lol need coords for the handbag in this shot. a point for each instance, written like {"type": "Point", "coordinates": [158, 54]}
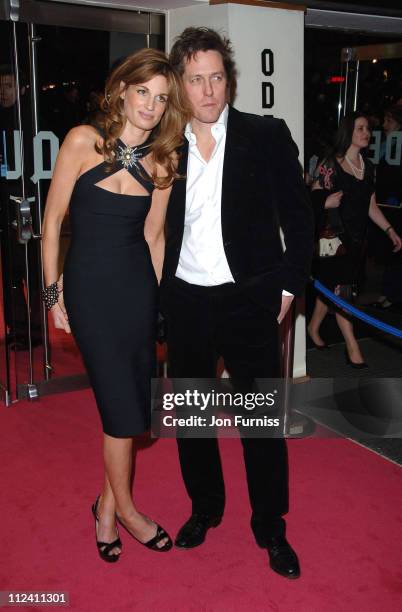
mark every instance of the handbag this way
{"type": "Point", "coordinates": [330, 245]}
{"type": "Point", "coordinates": [330, 242]}
{"type": "Point", "coordinates": [329, 238]}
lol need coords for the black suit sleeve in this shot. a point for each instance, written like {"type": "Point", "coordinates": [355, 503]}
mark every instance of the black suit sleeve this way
{"type": "Point", "coordinates": [318, 198]}
{"type": "Point", "coordinates": [294, 210]}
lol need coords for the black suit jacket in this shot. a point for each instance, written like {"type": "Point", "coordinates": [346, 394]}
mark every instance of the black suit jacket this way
{"type": "Point", "coordinates": [262, 190]}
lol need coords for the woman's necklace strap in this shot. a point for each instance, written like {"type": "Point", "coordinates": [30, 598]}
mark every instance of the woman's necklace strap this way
{"type": "Point", "coordinates": [356, 171]}
{"type": "Point", "coordinates": [128, 156]}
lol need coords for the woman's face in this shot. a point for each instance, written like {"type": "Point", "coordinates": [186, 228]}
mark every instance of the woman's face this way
{"type": "Point", "coordinates": [144, 104]}
{"type": "Point", "coordinates": [361, 133]}
{"type": "Point", "coordinates": [390, 124]}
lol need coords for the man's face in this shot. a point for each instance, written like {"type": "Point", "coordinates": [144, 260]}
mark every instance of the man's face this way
{"type": "Point", "coordinates": [8, 90]}
{"type": "Point", "coordinates": [206, 85]}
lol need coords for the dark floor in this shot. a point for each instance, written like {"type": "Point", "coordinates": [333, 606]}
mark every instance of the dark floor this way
{"type": "Point", "coordinates": [383, 353]}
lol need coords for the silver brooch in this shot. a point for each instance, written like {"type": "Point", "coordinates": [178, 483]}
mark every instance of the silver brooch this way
{"type": "Point", "coordinates": [129, 156]}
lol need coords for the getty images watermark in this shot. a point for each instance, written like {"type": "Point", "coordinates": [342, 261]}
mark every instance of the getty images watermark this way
{"type": "Point", "coordinates": [198, 407]}
{"type": "Point", "coordinates": [357, 408]}
{"type": "Point", "coordinates": [219, 400]}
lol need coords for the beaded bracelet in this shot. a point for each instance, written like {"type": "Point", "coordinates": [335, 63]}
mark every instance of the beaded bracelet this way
{"type": "Point", "coordinates": [50, 295]}
{"type": "Point", "coordinates": [388, 228]}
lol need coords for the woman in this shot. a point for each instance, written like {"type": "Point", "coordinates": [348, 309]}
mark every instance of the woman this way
{"type": "Point", "coordinates": [345, 183]}
{"type": "Point", "coordinates": [389, 192]}
{"type": "Point", "coordinates": [116, 179]}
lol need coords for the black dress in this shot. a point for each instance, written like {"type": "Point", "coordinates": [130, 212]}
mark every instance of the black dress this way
{"type": "Point", "coordinates": [110, 292]}
{"type": "Point", "coordinates": [352, 222]}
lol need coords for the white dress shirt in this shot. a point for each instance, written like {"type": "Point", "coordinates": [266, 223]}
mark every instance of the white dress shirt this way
{"type": "Point", "coordinates": [202, 257]}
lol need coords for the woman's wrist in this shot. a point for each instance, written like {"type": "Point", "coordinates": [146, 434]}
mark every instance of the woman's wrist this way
{"type": "Point", "coordinates": [388, 229]}
{"type": "Point", "coordinates": [50, 295]}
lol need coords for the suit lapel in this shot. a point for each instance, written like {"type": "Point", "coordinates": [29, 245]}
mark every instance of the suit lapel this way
{"type": "Point", "coordinates": [177, 200]}
{"type": "Point", "coordinates": [235, 180]}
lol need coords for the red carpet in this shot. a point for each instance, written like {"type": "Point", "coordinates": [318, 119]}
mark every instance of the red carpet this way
{"type": "Point", "coordinates": [345, 522]}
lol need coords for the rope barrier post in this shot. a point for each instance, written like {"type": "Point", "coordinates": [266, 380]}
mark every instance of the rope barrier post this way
{"type": "Point", "coordinates": [294, 425]}
{"type": "Point", "coordinates": [288, 340]}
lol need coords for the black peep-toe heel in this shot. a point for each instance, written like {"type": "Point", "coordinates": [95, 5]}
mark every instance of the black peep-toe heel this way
{"type": "Point", "coordinates": [104, 548]}
{"type": "Point", "coordinates": [161, 534]}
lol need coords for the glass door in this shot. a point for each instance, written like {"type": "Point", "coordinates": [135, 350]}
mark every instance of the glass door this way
{"type": "Point", "coordinates": [365, 68]}
{"type": "Point", "coordinates": [15, 287]}
{"type": "Point", "coordinates": [57, 58]}
{"type": "Point", "coordinates": [372, 84]}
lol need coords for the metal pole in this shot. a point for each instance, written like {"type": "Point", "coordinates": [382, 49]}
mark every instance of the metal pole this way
{"type": "Point", "coordinates": [19, 114]}
{"type": "Point", "coordinates": [340, 95]}
{"type": "Point", "coordinates": [33, 40]}
{"type": "Point", "coordinates": [356, 85]}
{"type": "Point", "coordinates": [17, 84]}
{"type": "Point", "coordinates": [288, 337]}
{"type": "Point", "coordinates": [346, 88]}
{"type": "Point", "coordinates": [294, 424]}
{"type": "Point", "coordinates": [149, 31]}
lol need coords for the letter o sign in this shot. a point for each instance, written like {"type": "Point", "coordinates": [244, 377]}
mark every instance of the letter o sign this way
{"type": "Point", "coordinates": [267, 69]}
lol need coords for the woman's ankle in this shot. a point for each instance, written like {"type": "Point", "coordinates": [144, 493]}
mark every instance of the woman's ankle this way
{"type": "Point", "coordinates": [315, 335]}
{"type": "Point", "coordinates": [127, 514]}
{"type": "Point", "coordinates": [354, 352]}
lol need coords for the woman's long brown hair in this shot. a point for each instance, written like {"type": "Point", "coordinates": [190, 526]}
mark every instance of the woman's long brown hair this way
{"type": "Point", "coordinates": [136, 69]}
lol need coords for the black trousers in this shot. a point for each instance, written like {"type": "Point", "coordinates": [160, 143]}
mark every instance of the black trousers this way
{"type": "Point", "coordinates": [204, 323]}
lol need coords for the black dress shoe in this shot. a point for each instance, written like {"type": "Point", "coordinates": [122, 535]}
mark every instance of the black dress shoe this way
{"type": "Point", "coordinates": [282, 557]}
{"type": "Point", "coordinates": [195, 529]}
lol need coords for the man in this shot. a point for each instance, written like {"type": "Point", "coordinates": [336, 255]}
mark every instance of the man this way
{"type": "Point", "coordinates": [13, 253]}
{"type": "Point", "coordinates": [224, 273]}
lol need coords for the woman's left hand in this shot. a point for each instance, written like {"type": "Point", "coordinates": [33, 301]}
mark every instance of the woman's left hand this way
{"type": "Point", "coordinates": [395, 239]}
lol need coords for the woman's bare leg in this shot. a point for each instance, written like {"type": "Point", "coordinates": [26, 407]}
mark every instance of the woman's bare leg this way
{"type": "Point", "coordinates": [107, 531]}
{"type": "Point", "coordinates": [352, 347]}
{"type": "Point", "coordinates": [117, 498]}
{"type": "Point", "coordinates": [313, 328]}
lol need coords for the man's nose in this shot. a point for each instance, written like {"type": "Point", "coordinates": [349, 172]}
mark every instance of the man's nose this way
{"type": "Point", "coordinates": [208, 90]}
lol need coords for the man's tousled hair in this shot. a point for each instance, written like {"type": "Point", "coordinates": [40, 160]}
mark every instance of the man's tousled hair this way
{"type": "Point", "coordinates": [195, 39]}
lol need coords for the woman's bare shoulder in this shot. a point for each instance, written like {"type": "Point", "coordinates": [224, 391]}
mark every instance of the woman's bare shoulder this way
{"type": "Point", "coordinates": [82, 137]}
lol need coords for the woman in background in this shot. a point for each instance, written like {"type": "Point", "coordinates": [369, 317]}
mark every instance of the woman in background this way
{"type": "Point", "coordinates": [389, 192]}
{"type": "Point", "coordinates": [116, 177]}
{"type": "Point", "coordinates": [344, 183]}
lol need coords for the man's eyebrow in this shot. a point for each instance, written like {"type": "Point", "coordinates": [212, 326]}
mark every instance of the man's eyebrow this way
{"type": "Point", "coordinates": [201, 74]}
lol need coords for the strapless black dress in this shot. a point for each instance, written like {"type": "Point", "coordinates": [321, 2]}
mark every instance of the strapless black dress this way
{"type": "Point", "coordinates": [110, 293]}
